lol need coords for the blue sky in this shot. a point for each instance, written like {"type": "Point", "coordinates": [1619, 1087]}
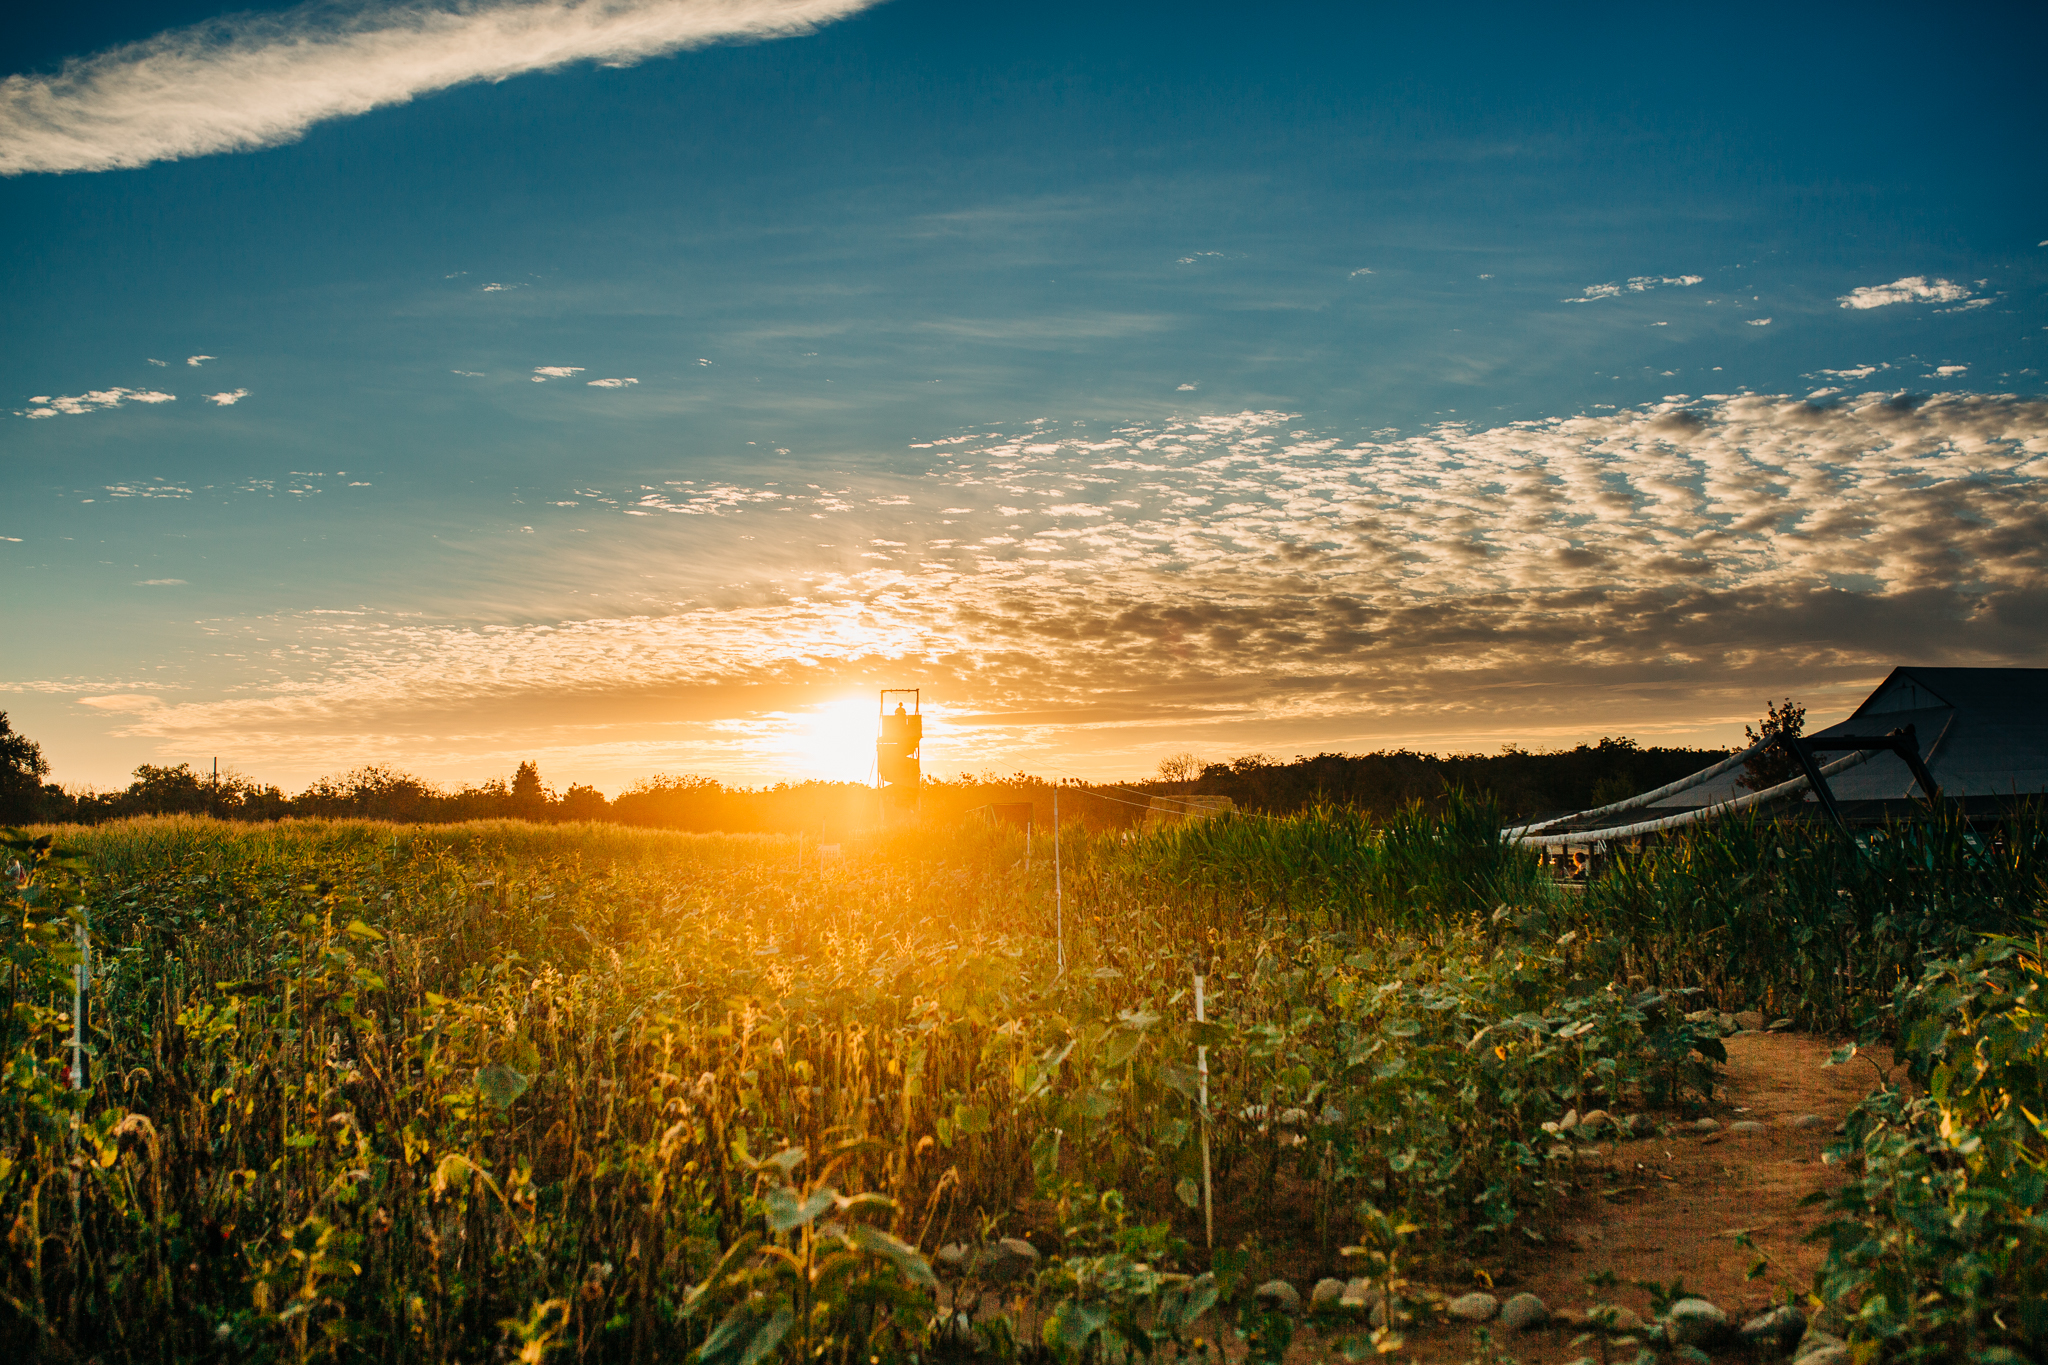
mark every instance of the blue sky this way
{"type": "Point", "coordinates": [1184, 377]}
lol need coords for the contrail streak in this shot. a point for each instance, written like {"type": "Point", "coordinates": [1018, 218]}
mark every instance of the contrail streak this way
{"type": "Point", "coordinates": [252, 81]}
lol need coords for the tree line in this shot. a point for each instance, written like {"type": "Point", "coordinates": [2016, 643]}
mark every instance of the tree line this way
{"type": "Point", "coordinates": [1520, 782]}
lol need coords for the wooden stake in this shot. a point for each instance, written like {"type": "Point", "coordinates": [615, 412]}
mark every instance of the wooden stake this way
{"type": "Point", "coordinates": [1059, 894]}
{"type": "Point", "coordinates": [1202, 1071]}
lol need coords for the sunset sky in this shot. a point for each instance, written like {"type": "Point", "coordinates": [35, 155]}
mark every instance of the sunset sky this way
{"type": "Point", "coordinates": [636, 386]}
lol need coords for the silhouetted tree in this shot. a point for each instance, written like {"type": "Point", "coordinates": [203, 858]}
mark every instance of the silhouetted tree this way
{"type": "Point", "coordinates": [22, 769]}
{"type": "Point", "coordinates": [1776, 764]}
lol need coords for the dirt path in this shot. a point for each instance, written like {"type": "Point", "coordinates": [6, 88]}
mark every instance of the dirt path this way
{"type": "Point", "coordinates": [1677, 1203]}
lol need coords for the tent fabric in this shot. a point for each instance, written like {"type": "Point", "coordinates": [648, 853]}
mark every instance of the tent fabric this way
{"type": "Point", "coordinates": [1981, 732]}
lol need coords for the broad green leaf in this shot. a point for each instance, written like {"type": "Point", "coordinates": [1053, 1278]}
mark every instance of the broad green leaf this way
{"type": "Point", "coordinates": [902, 1255]}
{"type": "Point", "coordinates": [768, 1337]}
{"type": "Point", "coordinates": [501, 1085]}
{"type": "Point", "coordinates": [785, 1211]}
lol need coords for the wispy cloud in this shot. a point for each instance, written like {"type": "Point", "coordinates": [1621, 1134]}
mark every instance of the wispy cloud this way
{"type": "Point", "coordinates": [257, 80]}
{"type": "Point", "coordinates": [197, 359]}
{"type": "Point", "coordinates": [93, 401]}
{"type": "Point", "coordinates": [161, 583]}
{"type": "Point", "coordinates": [228, 398]}
{"type": "Point", "coordinates": [543, 373]}
{"type": "Point", "coordinates": [1759, 322]}
{"type": "Point", "coordinates": [1637, 284]}
{"type": "Point", "coordinates": [610, 383]}
{"type": "Point", "coordinates": [1911, 289]}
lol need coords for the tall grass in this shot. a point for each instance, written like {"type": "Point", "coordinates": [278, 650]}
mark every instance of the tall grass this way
{"type": "Point", "coordinates": [376, 1092]}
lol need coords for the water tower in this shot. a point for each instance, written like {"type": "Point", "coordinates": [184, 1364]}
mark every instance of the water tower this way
{"type": "Point", "coordinates": [897, 767]}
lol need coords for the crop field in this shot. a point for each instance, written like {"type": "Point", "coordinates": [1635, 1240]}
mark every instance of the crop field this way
{"type": "Point", "coordinates": [359, 1091]}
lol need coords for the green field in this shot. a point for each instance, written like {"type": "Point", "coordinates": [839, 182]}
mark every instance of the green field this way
{"type": "Point", "coordinates": [362, 1091]}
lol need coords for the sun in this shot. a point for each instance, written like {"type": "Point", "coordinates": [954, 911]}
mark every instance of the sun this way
{"type": "Point", "coordinates": [834, 740]}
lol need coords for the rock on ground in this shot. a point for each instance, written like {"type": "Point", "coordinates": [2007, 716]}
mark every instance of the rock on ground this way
{"type": "Point", "coordinates": [1326, 1294]}
{"type": "Point", "coordinates": [1707, 1126]}
{"type": "Point", "coordinates": [1747, 1126]}
{"type": "Point", "coordinates": [1473, 1307]}
{"type": "Point", "coordinates": [1523, 1312]}
{"type": "Point", "coordinates": [1280, 1294]}
{"type": "Point", "coordinates": [1010, 1259]}
{"type": "Point", "coordinates": [1612, 1318]}
{"type": "Point", "coordinates": [1814, 1342]}
{"type": "Point", "coordinates": [1777, 1330]}
{"type": "Point", "coordinates": [1696, 1322]}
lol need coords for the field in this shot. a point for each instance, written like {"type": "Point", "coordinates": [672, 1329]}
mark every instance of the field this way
{"type": "Point", "coordinates": [362, 1091]}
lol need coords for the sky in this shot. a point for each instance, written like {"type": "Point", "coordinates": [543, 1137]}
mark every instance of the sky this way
{"type": "Point", "coordinates": [637, 386]}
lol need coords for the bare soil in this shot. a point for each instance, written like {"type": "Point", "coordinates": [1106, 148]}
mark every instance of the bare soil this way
{"type": "Point", "coordinates": [1668, 1208]}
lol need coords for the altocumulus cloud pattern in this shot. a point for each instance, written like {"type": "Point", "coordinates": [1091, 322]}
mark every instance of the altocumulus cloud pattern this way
{"type": "Point", "coordinates": [255, 80]}
{"type": "Point", "coordinates": [1260, 566]}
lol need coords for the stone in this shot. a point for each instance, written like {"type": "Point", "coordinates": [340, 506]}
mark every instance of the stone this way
{"type": "Point", "coordinates": [1473, 1307]}
{"type": "Point", "coordinates": [1523, 1312]}
{"type": "Point", "coordinates": [1815, 1340]}
{"type": "Point", "coordinates": [1809, 1121]}
{"type": "Point", "coordinates": [1750, 1019]}
{"type": "Point", "coordinates": [950, 1259]}
{"type": "Point", "coordinates": [1595, 1122]}
{"type": "Point", "coordinates": [1010, 1259]}
{"type": "Point", "coordinates": [1640, 1125]}
{"type": "Point", "coordinates": [1828, 1355]}
{"type": "Point", "coordinates": [1696, 1322]}
{"type": "Point", "coordinates": [1725, 1022]}
{"type": "Point", "coordinates": [1327, 1294]}
{"type": "Point", "coordinates": [1610, 1317]}
{"type": "Point", "coordinates": [1361, 1293]}
{"type": "Point", "coordinates": [1776, 1331]}
{"type": "Point", "coordinates": [1279, 1294]}
{"type": "Point", "coordinates": [1706, 1126]}
{"type": "Point", "coordinates": [1748, 1126]}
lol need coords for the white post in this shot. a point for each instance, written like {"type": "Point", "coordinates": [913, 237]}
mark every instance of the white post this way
{"type": "Point", "coordinates": [80, 978]}
{"type": "Point", "coordinates": [1202, 1071]}
{"type": "Point", "coordinates": [1059, 894]}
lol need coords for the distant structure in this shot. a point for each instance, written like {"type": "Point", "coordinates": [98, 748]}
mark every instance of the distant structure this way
{"type": "Point", "coordinates": [1974, 736]}
{"type": "Point", "coordinates": [1174, 810]}
{"type": "Point", "coordinates": [898, 767]}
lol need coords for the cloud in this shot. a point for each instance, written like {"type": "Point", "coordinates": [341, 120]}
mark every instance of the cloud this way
{"type": "Point", "coordinates": [227, 398]}
{"type": "Point", "coordinates": [543, 373]}
{"type": "Point", "coordinates": [1237, 569]}
{"type": "Point", "coordinates": [94, 401]}
{"type": "Point", "coordinates": [468, 374]}
{"type": "Point", "coordinates": [1911, 289]}
{"type": "Point", "coordinates": [196, 359]}
{"type": "Point", "coordinates": [258, 80]}
{"type": "Point", "coordinates": [1967, 307]}
{"type": "Point", "coordinates": [610, 383]}
{"type": "Point", "coordinates": [1759, 322]}
{"type": "Point", "coordinates": [1367, 270]}
{"type": "Point", "coordinates": [1186, 388]}
{"type": "Point", "coordinates": [1637, 284]}
{"type": "Point", "coordinates": [1946, 370]}
{"type": "Point", "coordinates": [160, 364]}
{"type": "Point", "coordinates": [161, 583]}
{"type": "Point", "coordinates": [132, 703]}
